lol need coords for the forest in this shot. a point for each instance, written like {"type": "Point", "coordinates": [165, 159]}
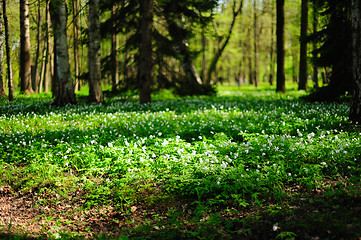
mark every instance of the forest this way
{"type": "Point", "coordinates": [180, 119]}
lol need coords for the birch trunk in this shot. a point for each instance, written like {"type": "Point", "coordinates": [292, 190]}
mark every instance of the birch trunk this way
{"type": "Point", "coordinates": [95, 88]}
{"type": "Point", "coordinates": [25, 56]}
{"type": "Point", "coordinates": [65, 90]}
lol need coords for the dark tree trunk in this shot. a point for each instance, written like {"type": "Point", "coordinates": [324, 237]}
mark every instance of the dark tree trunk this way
{"type": "Point", "coordinates": [25, 56]}
{"type": "Point", "coordinates": [95, 86]}
{"type": "Point", "coordinates": [355, 111]}
{"type": "Point", "coordinates": [115, 72]}
{"type": "Point", "coordinates": [64, 88]}
{"type": "Point", "coordinates": [145, 51]}
{"type": "Point", "coordinates": [302, 84]}
{"type": "Point", "coordinates": [8, 56]}
{"type": "Point", "coordinates": [280, 32]}
{"type": "Point", "coordinates": [2, 91]}
{"type": "Point", "coordinates": [76, 43]}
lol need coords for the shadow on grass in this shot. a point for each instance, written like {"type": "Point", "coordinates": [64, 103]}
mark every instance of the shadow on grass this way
{"type": "Point", "coordinates": [334, 215]}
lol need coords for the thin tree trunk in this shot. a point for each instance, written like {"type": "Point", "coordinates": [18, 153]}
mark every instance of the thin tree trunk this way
{"type": "Point", "coordinates": [355, 110]}
{"type": "Point", "coordinates": [302, 84]}
{"type": "Point", "coordinates": [8, 56]}
{"type": "Point", "coordinates": [65, 90]}
{"type": "Point", "coordinates": [145, 51]}
{"type": "Point", "coordinates": [271, 75]}
{"type": "Point", "coordinates": [255, 43]}
{"type": "Point", "coordinates": [204, 59]}
{"type": "Point", "coordinates": [95, 88]}
{"type": "Point", "coordinates": [25, 56]}
{"type": "Point", "coordinates": [314, 65]}
{"type": "Point", "coordinates": [51, 76]}
{"type": "Point", "coordinates": [2, 90]}
{"type": "Point", "coordinates": [76, 24]}
{"type": "Point", "coordinates": [35, 76]}
{"type": "Point", "coordinates": [115, 40]}
{"type": "Point", "coordinates": [280, 32]}
{"type": "Point", "coordinates": [218, 54]}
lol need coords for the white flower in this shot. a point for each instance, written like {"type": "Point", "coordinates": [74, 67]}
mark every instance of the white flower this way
{"type": "Point", "coordinates": [110, 145]}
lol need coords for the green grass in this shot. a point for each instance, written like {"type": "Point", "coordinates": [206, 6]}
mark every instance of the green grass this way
{"type": "Point", "coordinates": [244, 164]}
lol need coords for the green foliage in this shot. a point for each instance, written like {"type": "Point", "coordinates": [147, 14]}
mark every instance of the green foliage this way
{"type": "Point", "coordinates": [239, 150]}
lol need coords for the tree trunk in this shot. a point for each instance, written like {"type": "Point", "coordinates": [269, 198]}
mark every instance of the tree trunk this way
{"type": "Point", "coordinates": [302, 84]}
{"type": "Point", "coordinates": [145, 51]}
{"type": "Point", "coordinates": [255, 45]}
{"type": "Point", "coordinates": [355, 111]}
{"type": "Point", "coordinates": [95, 87]}
{"type": "Point", "coordinates": [76, 24]}
{"type": "Point", "coordinates": [2, 91]}
{"type": "Point", "coordinates": [35, 76]}
{"type": "Point", "coordinates": [115, 40]}
{"type": "Point", "coordinates": [218, 54]}
{"type": "Point", "coordinates": [8, 56]}
{"type": "Point", "coordinates": [280, 32]}
{"type": "Point", "coordinates": [25, 56]}
{"type": "Point", "coordinates": [271, 75]}
{"type": "Point", "coordinates": [314, 64]}
{"type": "Point", "coordinates": [65, 90]}
{"type": "Point", "coordinates": [204, 59]}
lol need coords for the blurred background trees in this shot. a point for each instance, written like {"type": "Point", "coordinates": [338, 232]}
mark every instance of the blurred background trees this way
{"type": "Point", "coordinates": [194, 45]}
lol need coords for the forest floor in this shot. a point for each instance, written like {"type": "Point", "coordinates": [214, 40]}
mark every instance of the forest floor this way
{"type": "Point", "coordinates": [242, 165]}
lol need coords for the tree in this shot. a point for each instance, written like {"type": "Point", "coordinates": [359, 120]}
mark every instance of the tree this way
{"type": "Point", "coordinates": [314, 52]}
{"type": "Point", "coordinates": [2, 91]}
{"type": "Point", "coordinates": [76, 24]}
{"type": "Point", "coordinates": [115, 39]}
{"type": "Point", "coordinates": [334, 48]}
{"type": "Point", "coordinates": [224, 41]}
{"type": "Point", "coordinates": [145, 51]}
{"type": "Point", "coordinates": [95, 88]}
{"type": "Point", "coordinates": [302, 85]}
{"type": "Point", "coordinates": [280, 33]}
{"type": "Point", "coordinates": [355, 111]}
{"type": "Point", "coordinates": [8, 56]}
{"type": "Point", "coordinates": [25, 55]}
{"type": "Point", "coordinates": [65, 90]}
{"type": "Point", "coordinates": [35, 76]}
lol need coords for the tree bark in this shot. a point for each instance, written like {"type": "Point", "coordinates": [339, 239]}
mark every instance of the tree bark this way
{"type": "Point", "coordinates": [2, 90]}
{"type": "Point", "coordinates": [76, 24]}
{"type": "Point", "coordinates": [65, 90]}
{"type": "Point", "coordinates": [355, 110]}
{"type": "Point", "coordinates": [302, 84]}
{"type": "Point", "coordinates": [8, 56]}
{"type": "Point", "coordinates": [95, 87]}
{"type": "Point", "coordinates": [115, 40]}
{"type": "Point", "coordinates": [25, 56]}
{"type": "Point", "coordinates": [314, 54]}
{"type": "Point", "coordinates": [145, 51]}
{"type": "Point", "coordinates": [35, 76]}
{"type": "Point", "coordinates": [280, 32]}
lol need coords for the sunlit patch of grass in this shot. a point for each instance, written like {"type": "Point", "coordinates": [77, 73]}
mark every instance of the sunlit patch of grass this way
{"type": "Point", "coordinates": [240, 150]}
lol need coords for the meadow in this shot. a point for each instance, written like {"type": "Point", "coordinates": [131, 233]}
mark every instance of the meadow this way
{"type": "Point", "coordinates": [245, 164]}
